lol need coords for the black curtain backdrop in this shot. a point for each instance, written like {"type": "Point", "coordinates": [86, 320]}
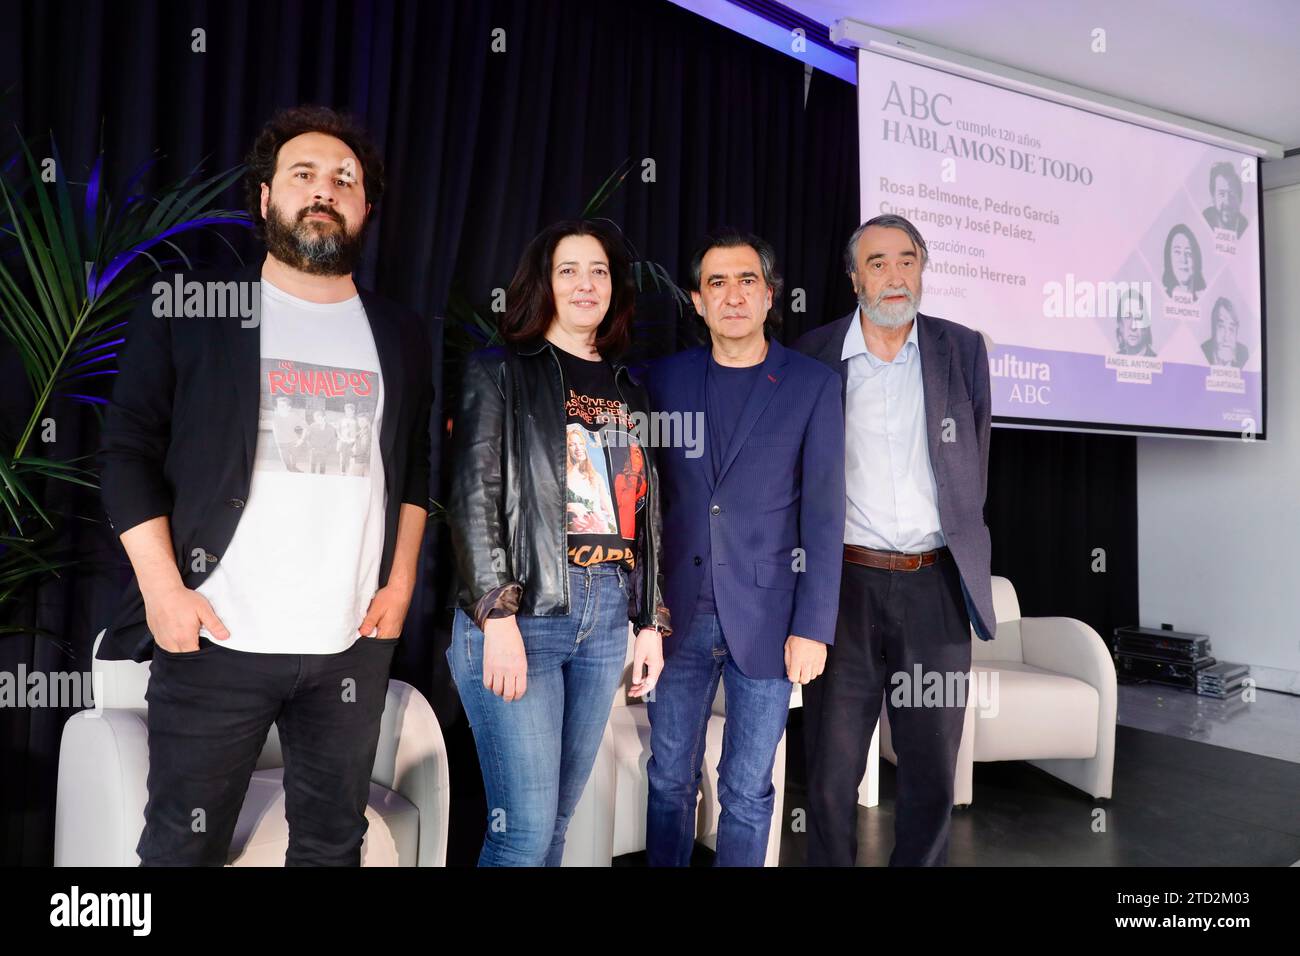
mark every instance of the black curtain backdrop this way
{"type": "Point", "coordinates": [482, 149]}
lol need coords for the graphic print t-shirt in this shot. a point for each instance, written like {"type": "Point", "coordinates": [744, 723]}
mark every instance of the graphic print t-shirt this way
{"type": "Point", "coordinates": [605, 473]}
{"type": "Point", "coordinates": [299, 573]}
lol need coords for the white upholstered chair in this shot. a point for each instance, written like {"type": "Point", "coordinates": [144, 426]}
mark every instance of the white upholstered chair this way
{"type": "Point", "coordinates": [1042, 691]}
{"type": "Point", "coordinates": [104, 764]}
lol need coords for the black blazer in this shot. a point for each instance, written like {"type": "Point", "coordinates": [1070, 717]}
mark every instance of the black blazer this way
{"type": "Point", "coordinates": [179, 434]}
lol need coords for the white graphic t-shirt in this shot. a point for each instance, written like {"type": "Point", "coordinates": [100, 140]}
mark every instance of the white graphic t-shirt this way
{"type": "Point", "coordinates": [299, 573]}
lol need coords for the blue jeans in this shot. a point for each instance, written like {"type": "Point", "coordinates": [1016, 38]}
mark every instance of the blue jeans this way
{"type": "Point", "coordinates": [537, 751]}
{"type": "Point", "coordinates": [679, 715]}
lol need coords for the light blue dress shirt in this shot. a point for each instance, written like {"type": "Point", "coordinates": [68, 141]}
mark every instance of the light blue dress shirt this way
{"type": "Point", "coordinates": [893, 502]}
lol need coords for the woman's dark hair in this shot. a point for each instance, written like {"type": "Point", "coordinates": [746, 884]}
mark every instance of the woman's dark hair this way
{"type": "Point", "coordinates": [530, 300]}
{"type": "Point", "coordinates": [1168, 280]}
{"type": "Point", "coordinates": [731, 238]}
{"type": "Point", "coordinates": [283, 126]}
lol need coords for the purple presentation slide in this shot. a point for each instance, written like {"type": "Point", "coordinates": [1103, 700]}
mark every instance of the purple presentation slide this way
{"type": "Point", "coordinates": [1113, 270]}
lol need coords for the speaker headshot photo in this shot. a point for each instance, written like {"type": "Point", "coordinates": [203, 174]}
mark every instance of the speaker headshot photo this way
{"type": "Point", "coordinates": [1133, 326]}
{"type": "Point", "coordinates": [1222, 347]}
{"type": "Point", "coordinates": [1182, 273]}
{"type": "Point", "coordinates": [1224, 211]}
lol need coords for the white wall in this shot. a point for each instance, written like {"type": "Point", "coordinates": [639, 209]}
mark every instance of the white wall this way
{"type": "Point", "coordinates": [1219, 521]}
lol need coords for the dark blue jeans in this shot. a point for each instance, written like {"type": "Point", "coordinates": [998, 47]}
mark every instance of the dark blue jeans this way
{"type": "Point", "coordinates": [679, 715]}
{"type": "Point", "coordinates": [209, 714]}
{"type": "Point", "coordinates": [536, 752]}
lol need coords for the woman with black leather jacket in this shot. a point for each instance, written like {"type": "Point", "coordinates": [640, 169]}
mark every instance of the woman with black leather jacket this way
{"type": "Point", "coordinates": [555, 521]}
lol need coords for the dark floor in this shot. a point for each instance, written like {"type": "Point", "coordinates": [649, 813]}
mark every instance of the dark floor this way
{"type": "Point", "coordinates": [1176, 803]}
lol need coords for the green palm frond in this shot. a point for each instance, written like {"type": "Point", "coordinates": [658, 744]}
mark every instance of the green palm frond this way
{"type": "Point", "coordinates": [610, 186]}
{"type": "Point", "coordinates": [73, 260]}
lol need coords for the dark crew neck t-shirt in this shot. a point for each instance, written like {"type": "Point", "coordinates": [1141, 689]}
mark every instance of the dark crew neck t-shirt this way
{"type": "Point", "coordinates": [726, 390]}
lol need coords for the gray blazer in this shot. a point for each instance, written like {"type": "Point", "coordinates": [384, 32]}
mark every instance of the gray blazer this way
{"type": "Point", "coordinates": [955, 380]}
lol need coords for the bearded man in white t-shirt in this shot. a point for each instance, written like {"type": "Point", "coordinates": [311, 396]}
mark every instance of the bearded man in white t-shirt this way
{"type": "Point", "coordinates": [268, 594]}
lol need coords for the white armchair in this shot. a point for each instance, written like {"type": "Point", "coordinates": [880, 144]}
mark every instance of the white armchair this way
{"type": "Point", "coordinates": [1042, 691]}
{"type": "Point", "coordinates": [104, 764]}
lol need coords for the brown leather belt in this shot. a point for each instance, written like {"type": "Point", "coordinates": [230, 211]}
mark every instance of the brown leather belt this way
{"type": "Point", "coordinates": [891, 560]}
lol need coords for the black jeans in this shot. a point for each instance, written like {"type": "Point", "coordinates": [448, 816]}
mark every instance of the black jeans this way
{"type": "Point", "coordinates": [890, 624]}
{"type": "Point", "coordinates": [209, 714]}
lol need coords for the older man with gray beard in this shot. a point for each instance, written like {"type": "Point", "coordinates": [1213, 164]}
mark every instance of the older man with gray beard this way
{"type": "Point", "coordinates": [916, 550]}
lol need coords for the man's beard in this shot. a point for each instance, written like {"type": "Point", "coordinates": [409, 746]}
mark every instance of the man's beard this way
{"type": "Point", "coordinates": [305, 247]}
{"type": "Point", "coordinates": [889, 315]}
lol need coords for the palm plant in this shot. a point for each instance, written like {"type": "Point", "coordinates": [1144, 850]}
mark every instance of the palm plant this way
{"type": "Point", "coordinates": [73, 260]}
{"type": "Point", "coordinates": [643, 269]}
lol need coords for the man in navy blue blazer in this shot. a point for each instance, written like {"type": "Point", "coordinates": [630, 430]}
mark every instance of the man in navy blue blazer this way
{"type": "Point", "coordinates": [916, 550]}
{"type": "Point", "coordinates": [753, 519]}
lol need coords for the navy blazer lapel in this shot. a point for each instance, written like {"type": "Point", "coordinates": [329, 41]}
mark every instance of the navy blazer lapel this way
{"type": "Point", "coordinates": [765, 386]}
{"type": "Point", "coordinates": [935, 359]}
{"type": "Point", "coordinates": [388, 346]}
